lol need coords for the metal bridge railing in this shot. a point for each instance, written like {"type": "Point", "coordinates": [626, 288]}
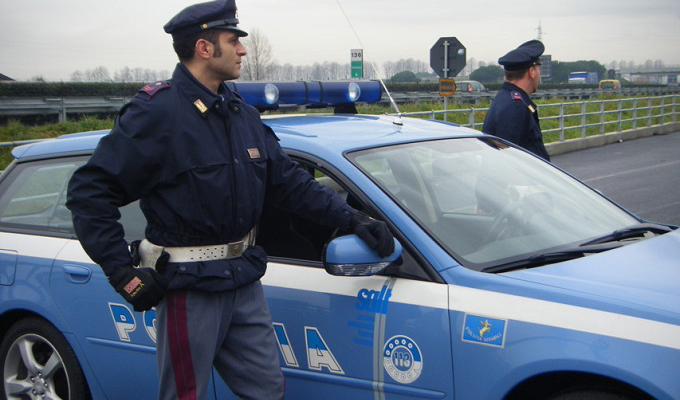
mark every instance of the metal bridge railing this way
{"type": "Point", "coordinates": [61, 106]}
{"type": "Point", "coordinates": [568, 120]}
{"type": "Point", "coordinates": [565, 120]}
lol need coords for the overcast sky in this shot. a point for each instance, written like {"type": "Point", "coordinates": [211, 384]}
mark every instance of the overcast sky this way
{"type": "Point", "coordinates": [53, 38]}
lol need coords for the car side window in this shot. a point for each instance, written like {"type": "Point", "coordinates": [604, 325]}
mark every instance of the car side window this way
{"type": "Point", "coordinates": [33, 198]}
{"type": "Point", "coordinates": [286, 235]}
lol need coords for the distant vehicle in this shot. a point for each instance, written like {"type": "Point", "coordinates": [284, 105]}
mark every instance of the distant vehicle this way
{"type": "Point", "coordinates": [470, 87]}
{"type": "Point", "coordinates": [583, 78]}
{"type": "Point", "coordinates": [609, 84]}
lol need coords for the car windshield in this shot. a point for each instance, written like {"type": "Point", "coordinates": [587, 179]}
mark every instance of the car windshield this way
{"type": "Point", "coordinates": [487, 203]}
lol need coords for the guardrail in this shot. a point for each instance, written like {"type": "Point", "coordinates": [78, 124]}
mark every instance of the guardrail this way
{"type": "Point", "coordinates": [559, 121]}
{"type": "Point", "coordinates": [564, 120]}
{"type": "Point", "coordinates": [568, 94]}
{"type": "Point", "coordinates": [18, 106]}
{"type": "Point", "coordinates": [629, 113]}
{"type": "Point", "coordinates": [62, 106]}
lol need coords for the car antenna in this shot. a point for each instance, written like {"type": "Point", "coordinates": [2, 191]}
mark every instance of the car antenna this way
{"type": "Point", "coordinates": [397, 120]}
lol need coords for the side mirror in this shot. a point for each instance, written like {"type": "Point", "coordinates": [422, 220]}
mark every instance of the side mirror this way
{"type": "Point", "coordinates": [350, 256]}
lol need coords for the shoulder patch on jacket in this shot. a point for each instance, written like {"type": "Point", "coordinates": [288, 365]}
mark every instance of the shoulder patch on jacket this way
{"type": "Point", "coordinates": [152, 88]}
{"type": "Point", "coordinates": [515, 95]}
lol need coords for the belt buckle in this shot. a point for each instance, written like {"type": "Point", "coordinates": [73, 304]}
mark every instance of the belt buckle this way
{"type": "Point", "coordinates": [234, 249]}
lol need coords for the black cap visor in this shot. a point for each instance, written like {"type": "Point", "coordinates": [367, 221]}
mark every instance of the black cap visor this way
{"type": "Point", "coordinates": [240, 32]}
{"type": "Point", "coordinates": [521, 66]}
{"type": "Point", "coordinates": [228, 24]}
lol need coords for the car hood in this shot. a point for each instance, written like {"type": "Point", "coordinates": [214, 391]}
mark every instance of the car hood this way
{"type": "Point", "coordinates": [644, 275]}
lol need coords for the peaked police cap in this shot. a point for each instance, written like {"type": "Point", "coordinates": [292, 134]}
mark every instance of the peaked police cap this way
{"type": "Point", "coordinates": [218, 14]}
{"type": "Point", "coordinates": [526, 55]}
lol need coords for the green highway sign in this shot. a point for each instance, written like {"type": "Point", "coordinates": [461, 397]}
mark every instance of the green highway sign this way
{"type": "Point", "coordinates": [357, 63]}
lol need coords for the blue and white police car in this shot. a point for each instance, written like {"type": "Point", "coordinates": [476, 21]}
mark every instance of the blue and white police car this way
{"type": "Point", "coordinates": [513, 280]}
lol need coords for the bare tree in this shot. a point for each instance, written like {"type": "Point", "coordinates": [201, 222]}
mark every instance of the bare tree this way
{"type": "Point", "coordinates": [392, 68]}
{"type": "Point", "coordinates": [259, 58]}
{"type": "Point", "coordinates": [123, 75]}
{"type": "Point", "coordinates": [284, 72]}
{"type": "Point", "coordinates": [77, 76]}
{"type": "Point", "coordinates": [100, 74]}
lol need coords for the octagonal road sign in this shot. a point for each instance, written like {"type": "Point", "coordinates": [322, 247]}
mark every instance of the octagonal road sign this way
{"type": "Point", "coordinates": [447, 57]}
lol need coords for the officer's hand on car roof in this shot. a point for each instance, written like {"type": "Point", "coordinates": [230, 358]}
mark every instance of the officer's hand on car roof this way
{"type": "Point", "coordinates": [375, 233]}
{"type": "Point", "coordinates": [144, 288]}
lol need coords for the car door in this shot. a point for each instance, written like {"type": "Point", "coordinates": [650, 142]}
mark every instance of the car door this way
{"type": "Point", "coordinates": [119, 343]}
{"type": "Point", "coordinates": [382, 337]}
{"type": "Point", "coordinates": [30, 237]}
{"type": "Point", "coordinates": [39, 252]}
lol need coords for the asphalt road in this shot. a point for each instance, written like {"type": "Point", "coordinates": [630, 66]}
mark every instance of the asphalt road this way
{"type": "Point", "coordinates": [642, 175]}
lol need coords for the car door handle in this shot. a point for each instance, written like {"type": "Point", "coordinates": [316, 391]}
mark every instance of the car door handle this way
{"type": "Point", "coordinates": [77, 273]}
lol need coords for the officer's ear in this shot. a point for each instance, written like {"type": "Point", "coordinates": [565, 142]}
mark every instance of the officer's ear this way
{"type": "Point", "coordinates": [534, 72]}
{"type": "Point", "coordinates": [203, 48]}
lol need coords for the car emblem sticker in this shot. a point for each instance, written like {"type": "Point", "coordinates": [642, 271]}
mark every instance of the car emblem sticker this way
{"type": "Point", "coordinates": [402, 359]}
{"type": "Point", "coordinates": [484, 330]}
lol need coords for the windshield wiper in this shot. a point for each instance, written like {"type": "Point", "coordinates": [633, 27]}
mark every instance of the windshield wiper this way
{"type": "Point", "coordinates": [551, 257]}
{"type": "Point", "coordinates": [603, 243]}
{"type": "Point", "coordinates": [630, 232]}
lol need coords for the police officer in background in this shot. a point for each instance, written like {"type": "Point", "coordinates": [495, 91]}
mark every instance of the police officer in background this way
{"type": "Point", "coordinates": [203, 164]}
{"type": "Point", "coordinates": [512, 115]}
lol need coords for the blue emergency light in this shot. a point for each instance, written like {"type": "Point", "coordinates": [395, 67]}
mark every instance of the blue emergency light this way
{"type": "Point", "coordinates": [271, 95]}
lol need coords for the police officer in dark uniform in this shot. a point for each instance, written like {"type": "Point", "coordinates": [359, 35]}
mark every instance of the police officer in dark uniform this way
{"type": "Point", "coordinates": [512, 115]}
{"type": "Point", "coordinates": [203, 164]}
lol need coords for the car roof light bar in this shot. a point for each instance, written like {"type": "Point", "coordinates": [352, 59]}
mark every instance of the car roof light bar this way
{"type": "Point", "coordinates": [312, 94]}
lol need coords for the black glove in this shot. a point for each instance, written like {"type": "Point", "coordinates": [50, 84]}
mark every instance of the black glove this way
{"type": "Point", "coordinates": [161, 262]}
{"type": "Point", "coordinates": [142, 287]}
{"type": "Point", "coordinates": [375, 233]}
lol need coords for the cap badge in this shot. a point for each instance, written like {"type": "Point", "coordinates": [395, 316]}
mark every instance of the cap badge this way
{"type": "Point", "coordinates": [201, 107]}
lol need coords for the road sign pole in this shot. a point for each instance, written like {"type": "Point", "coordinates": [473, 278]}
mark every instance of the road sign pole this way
{"type": "Point", "coordinates": [446, 75]}
{"type": "Point", "coordinates": [447, 58]}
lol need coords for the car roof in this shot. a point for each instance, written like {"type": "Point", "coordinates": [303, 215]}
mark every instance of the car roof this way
{"type": "Point", "coordinates": [315, 133]}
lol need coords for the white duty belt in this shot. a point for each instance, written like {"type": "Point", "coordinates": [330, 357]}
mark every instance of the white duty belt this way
{"type": "Point", "coordinates": [149, 252]}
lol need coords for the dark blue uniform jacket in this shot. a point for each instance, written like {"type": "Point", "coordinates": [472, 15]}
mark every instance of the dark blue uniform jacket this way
{"type": "Point", "coordinates": [202, 165]}
{"type": "Point", "coordinates": [514, 117]}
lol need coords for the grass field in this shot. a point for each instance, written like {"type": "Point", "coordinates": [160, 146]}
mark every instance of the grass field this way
{"type": "Point", "coordinates": [15, 131]}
